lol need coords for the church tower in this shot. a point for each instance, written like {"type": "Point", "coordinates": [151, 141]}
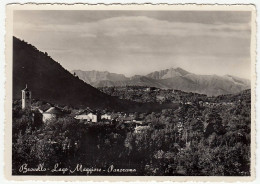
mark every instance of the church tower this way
{"type": "Point", "coordinates": [26, 98]}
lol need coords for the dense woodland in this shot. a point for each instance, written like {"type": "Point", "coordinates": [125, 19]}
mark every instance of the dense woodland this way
{"type": "Point", "coordinates": [144, 94]}
{"type": "Point", "coordinates": [203, 136]}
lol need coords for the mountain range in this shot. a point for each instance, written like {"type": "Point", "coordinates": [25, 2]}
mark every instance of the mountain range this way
{"type": "Point", "coordinates": [172, 78]}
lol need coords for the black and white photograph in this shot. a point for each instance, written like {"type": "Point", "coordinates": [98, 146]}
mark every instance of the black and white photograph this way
{"type": "Point", "coordinates": [146, 91]}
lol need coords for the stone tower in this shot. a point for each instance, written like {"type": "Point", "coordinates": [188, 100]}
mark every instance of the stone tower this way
{"type": "Point", "coordinates": [26, 98]}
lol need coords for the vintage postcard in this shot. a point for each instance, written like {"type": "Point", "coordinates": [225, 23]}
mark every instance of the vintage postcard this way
{"type": "Point", "coordinates": [155, 92]}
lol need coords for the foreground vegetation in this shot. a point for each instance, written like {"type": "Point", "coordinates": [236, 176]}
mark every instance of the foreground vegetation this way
{"type": "Point", "coordinates": [209, 136]}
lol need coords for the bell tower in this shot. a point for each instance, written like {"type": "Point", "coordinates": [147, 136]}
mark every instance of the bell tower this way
{"type": "Point", "coordinates": [26, 98]}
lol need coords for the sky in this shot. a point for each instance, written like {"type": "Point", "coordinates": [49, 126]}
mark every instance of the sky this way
{"type": "Point", "coordinates": [140, 42]}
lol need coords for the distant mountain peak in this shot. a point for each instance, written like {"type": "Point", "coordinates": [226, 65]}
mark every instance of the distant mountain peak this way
{"type": "Point", "coordinates": [182, 71]}
{"type": "Point", "coordinates": [168, 73]}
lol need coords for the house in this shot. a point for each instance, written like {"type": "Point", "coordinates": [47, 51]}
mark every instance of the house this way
{"type": "Point", "coordinates": [127, 119]}
{"type": "Point", "coordinates": [106, 116]}
{"type": "Point", "coordinates": [94, 116]}
{"type": "Point", "coordinates": [83, 115]}
{"type": "Point", "coordinates": [147, 89]}
{"type": "Point", "coordinates": [160, 98]}
{"type": "Point", "coordinates": [188, 103]}
{"type": "Point", "coordinates": [88, 115]}
{"type": "Point", "coordinates": [139, 129]}
{"type": "Point", "coordinates": [150, 89]}
{"type": "Point", "coordinates": [138, 122]}
{"type": "Point", "coordinates": [52, 113]}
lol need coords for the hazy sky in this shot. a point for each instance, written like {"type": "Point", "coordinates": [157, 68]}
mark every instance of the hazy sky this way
{"type": "Point", "coordinates": [140, 42]}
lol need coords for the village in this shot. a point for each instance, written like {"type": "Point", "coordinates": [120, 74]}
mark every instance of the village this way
{"type": "Point", "coordinates": [135, 120]}
{"type": "Point", "coordinates": [97, 135]}
{"type": "Point", "coordinates": [86, 116]}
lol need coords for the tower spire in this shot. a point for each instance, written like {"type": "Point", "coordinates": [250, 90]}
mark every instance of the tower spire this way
{"type": "Point", "coordinates": [26, 98]}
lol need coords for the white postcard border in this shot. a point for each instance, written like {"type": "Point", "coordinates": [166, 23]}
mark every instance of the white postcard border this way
{"type": "Point", "coordinates": [163, 7]}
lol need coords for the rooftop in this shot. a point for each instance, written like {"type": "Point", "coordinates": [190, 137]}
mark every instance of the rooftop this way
{"type": "Point", "coordinates": [54, 110]}
{"type": "Point", "coordinates": [26, 88]}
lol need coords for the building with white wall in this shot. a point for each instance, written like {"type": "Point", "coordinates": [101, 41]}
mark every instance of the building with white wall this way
{"type": "Point", "coordinates": [51, 114]}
